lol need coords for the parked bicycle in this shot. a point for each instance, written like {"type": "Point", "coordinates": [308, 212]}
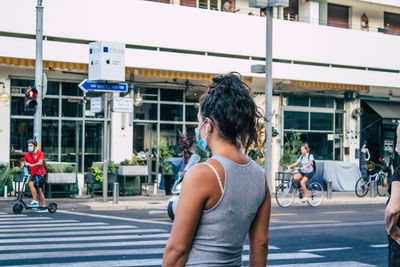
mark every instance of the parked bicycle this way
{"type": "Point", "coordinates": [363, 184]}
{"type": "Point", "coordinates": [287, 189]}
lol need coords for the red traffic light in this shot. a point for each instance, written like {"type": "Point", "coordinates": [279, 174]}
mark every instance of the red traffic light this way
{"type": "Point", "coordinates": [30, 99]}
{"type": "Point", "coordinates": [31, 94]}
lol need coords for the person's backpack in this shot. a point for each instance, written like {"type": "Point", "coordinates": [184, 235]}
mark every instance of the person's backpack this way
{"type": "Point", "coordinates": [313, 163]}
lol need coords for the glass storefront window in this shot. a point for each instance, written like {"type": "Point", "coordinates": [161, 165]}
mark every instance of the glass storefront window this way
{"type": "Point", "coordinates": [191, 113]}
{"type": "Point", "coordinates": [50, 139]}
{"type": "Point", "coordinates": [22, 83]}
{"type": "Point", "coordinates": [21, 132]}
{"type": "Point", "coordinates": [193, 95]}
{"type": "Point", "coordinates": [89, 114]}
{"type": "Point", "coordinates": [148, 93]}
{"type": "Point", "coordinates": [322, 102]}
{"type": "Point", "coordinates": [302, 101]}
{"type": "Point", "coordinates": [320, 145]}
{"type": "Point", "coordinates": [171, 95]}
{"type": "Point", "coordinates": [18, 105]}
{"type": "Point", "coordinates": [170, 133]}
{"type": "Point", "coordinates": [93, 143]}
{"type": "Point", "coordinates": [339, 123]}
{"type": "Point", "coordinates": [147, 111]}
{"type": "Point", "coordinates": [71, 142]}
{"type": "Point", "coordinates": [321, 121]}
{"type": "Point", "coordinates": [72, 107]}
{"type": "Point", "coordinates": [50, 107]}
{"type": "Point", "coordinates": [296, 120]}
{"type": "Point", "coordinates": [144, 136]}
{"type": "Point", "coordinates": [53, 88]}
{"type": "Point", "coordinates": [171, 112]}
{"type": "Point", "coordinates": [340, 104]}
{"type": "Point", "coordinates": [71, 89]}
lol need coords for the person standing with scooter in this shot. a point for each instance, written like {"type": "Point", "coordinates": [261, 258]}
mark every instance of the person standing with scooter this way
{"type": "Point", "coordinates": [34, 160]}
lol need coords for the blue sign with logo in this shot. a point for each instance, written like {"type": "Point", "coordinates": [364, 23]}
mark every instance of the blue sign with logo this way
{"type": "Point", "coordinates": [86, 85]}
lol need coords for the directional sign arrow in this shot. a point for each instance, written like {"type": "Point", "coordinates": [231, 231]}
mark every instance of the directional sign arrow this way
{"type": "Point", "coordinates": [86, 85]}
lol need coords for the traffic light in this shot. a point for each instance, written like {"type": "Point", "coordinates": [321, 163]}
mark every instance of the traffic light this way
{"type": "Point", "coordinates": [30, 99]}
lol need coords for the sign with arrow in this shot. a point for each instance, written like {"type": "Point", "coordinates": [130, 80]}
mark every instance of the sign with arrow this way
{"type": "Point", "coordinates": [86, 86]}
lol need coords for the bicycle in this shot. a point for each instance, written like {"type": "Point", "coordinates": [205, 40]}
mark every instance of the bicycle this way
{"type": "Point", "coordinates": [286, 190]}
{"type": "Point", "coordinates": [364, 183]}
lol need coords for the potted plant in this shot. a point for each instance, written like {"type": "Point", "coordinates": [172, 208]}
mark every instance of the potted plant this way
{"type": "Point", "coordinates": [61, 173]}
{"type": "Point", "coordinates": [165, 153]}
{"type": "Point", "coordinates": [134, 166]}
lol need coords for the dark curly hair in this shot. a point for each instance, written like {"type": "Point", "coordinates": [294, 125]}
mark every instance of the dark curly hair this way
{"type": "Point", "coordinates": [229, 103]}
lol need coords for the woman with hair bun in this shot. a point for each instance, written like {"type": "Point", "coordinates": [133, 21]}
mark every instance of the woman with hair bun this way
{"type": "Point", "coordinates": [226, 198]}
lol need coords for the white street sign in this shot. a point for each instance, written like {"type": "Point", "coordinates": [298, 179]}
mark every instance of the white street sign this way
{"type": "Point", "coordinates": [120, 104]}
{"type": "Point", "coordinates": [95, 104]}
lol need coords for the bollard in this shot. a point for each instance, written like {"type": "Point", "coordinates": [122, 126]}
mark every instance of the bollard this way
{"type": "Point", "coordinates": [5, 191]}
{"type": "Point", "coordinates": [373, 189]}
{"type": "Point", "coordinates": [329, 190]}
{"type": "Point", "coordinates": [115, 193]}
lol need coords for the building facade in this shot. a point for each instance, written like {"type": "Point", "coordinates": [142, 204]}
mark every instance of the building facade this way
{"type": "Point", "coordinates": [332, 62]}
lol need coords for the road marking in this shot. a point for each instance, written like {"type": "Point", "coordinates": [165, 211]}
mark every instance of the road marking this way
{"type": "Point", "coordinates": [287, 256]}
{"type": "Point", "coordinates": [74, 223]}
{"type": "Point", "coordinates": [380, 210]}
{"type": "Point", "coordinates": [159, 219]}
{"type": "Point", "coordinates": [113, 217]}
{"type": "Point", "coordinates": [157, 212]}
{"type": "Point", "coordinates": [325, 264]}
{"type": "Point", "coordinates": [12, 215]}
{"type": "Point", "coordinates": [82, 238]}
{"type": "Point", "coordinates": [247, 247]}
{"type": "Point", "coordinates": [294, 226]}
{"type": "Point", "coordinates": [25, 218]}
{"type": "Point", "coordinates": [327, 221]}
{"type": "Point", "coordinates": [3, 213]}
{"type": "Point", "coordinates": [283, 214]}
{"type": "Point", "coordinates": [38, 222]}
{"type": "Point", "coordinates": [101, 232]}
{"type": "Point", "coordinates": [148, 251]}
{"type": "Point", "coordinates": [379, 246]}
{"type": "Point", "coordinates": [24, 247]}
{"type": "Point", "coordinates": [54, 229]}
{"type": "Point", "coordinates": [339, 212]}
{"type": "Point", "coordinates": [325, 249]}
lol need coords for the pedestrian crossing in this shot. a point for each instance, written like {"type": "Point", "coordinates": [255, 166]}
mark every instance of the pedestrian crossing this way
{"type": "Point", "coordinates": [27, 240]}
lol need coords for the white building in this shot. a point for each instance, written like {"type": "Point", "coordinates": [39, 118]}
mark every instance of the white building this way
{"type": "Point", "coordinates": [330, 59]}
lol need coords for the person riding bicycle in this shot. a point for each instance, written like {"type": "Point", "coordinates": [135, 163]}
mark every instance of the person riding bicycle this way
{"type": "Point", "coordinates": [34, 160]}
{"type": "Point", "coordinates": [306, 169]}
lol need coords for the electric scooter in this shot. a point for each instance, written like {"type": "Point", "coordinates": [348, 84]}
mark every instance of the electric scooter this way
{"type": "Point", "coordinates": [20, 205]}
{"type": "Point", "coordinates": [176, 188]}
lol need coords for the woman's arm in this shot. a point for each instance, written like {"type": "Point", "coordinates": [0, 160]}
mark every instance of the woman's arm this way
{"type": "Point", "coordinates": [258, 233]}
{"type": "Point", "coordinates": [193, 195]}
{"type": "Point", "coordinates": [293, 164]}
{"type": "Point", "coordinates": [308, 165]}
{"type": "Point", "coordinates": [392, 212]}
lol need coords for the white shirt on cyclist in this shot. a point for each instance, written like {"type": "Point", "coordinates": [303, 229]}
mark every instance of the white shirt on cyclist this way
{"type": "Point", "coordinates": [303, 161]}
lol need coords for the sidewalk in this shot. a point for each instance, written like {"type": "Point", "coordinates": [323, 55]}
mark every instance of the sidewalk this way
{"type": "Point", "coordinates": [160, 201]}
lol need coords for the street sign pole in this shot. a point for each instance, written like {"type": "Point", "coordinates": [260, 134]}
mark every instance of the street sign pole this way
{"type": "Point", "coordinates": [37, 121]}
{"type": "Point", "coordinates": [268, 97]}
{"type": "Point", "coordinates": [105, 149]}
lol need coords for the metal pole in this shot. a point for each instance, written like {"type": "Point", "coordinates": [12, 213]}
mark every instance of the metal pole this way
{"type": "Point", "coordinates": [373, 188]}
{"type": "Point", "coordinates": [268, 96]}
{"type": "Point", "coordinates": [329, 189]}
{"type": "Point", "coordinates": [37, 121]}
{"type": "Point", "coordinates": [115, 193]}
{"type": "Point", "coordinates": [105, 150]}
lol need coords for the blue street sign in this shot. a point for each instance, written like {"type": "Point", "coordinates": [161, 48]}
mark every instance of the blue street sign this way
{"type": "Point", "coordinates": [86, 85]}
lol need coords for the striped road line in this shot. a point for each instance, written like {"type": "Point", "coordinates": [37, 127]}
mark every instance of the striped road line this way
{"type": "Point", "coordinates": [34, 221]}
{"type": "Point", "coordinates": [325, 264]}
{"type": "Point", "coordinates": [25, 218]}
{"type": "Point", "coordinates": [73, 228]}
{"type": "Point", "coordinates": [101, 232]}
{"type": "Point", "coordinates": [379, 246]}
{"type": "Point", "coordinates": [325, 249]}
{"type": "Point", "coordinates": [52, 224]}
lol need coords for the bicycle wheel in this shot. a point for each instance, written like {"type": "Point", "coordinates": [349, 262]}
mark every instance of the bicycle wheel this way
{"type": "Point", "coordinates": [284, 195]}
{"type": "Point", "coordinates": [362, 187]}
{"type": "Point", "coordinates": [381, 185]}
{"type": "Point", "coordinates": [315, 194]}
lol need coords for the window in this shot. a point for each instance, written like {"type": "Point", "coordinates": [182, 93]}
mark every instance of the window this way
{"type": "Point", "coordinates": [292, 11]}
{"type": "Point", "coordinates": [18, 106]}
{"type": "Point", "coordinates": [21, 132]}
{"type": "Point", "coordinates": [191, 113]}
{"type": "Point", "coordinates": [210, 4]}
{"type": "Point", "coordinates": [321, 121]}
{"type": "Point", "coordinates": [50, 107]}
{"type": "Point", "coordinates": [171, 112]}
{"type": "Point", "coordinates": [322, 102]}
{"type": "Point", "coordinates": [339, 123]}
{"type": "Point", "coordinates": [72, 107]}
{"type": "Point", "coordinates": [171, 95]}
{"type": "Point", "coordinates": [296, 120]}
{"type": "Point", "coordinates": [302, 101]}
{"type": "Point", "coordinates": [71, 89]}
{"type": "Point", "coordinates": [192, 3]}
{"type": "Point", "coordinates": [338, 16]}
{"type": "Point", "coordinates": [53, 88]}
{"type": "Point", "coordinates": [147, 111]}
{"type": "Point", "coordinates": [50, 139]}
{"type": "Point", "coordinates": [392, 22]}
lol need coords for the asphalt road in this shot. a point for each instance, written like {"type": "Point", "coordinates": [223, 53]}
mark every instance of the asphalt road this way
{"type": "Point", "coordinates": [347, 235]}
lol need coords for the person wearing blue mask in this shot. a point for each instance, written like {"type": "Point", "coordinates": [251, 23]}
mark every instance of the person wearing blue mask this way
{"type": "Point", "coordinates": [226, 198]}
{"type": "Point", "coordinates": [34, 161]}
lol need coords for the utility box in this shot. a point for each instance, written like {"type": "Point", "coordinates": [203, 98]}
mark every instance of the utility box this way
{"type": "Point", "coordinates": [266, 3]}
{"type": "Point", "coordinates": [106, 62]}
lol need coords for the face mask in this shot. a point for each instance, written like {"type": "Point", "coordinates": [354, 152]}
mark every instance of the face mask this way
{"type": "Point", "coordinates": [202, 143]}
{"type": "Point", "coordinates": [30, 149]}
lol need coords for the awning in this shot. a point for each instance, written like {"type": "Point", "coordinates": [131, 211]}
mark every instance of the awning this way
{"type": "Point", "coordinates": [385, 109]}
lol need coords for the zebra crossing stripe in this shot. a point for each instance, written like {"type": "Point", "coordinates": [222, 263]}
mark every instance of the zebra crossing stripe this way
{"type": "Point", "coordinates": [287, 256]}
{"type": "Point", "coordinates": [63, 223]}
{"type": "Point", "coordinates": [83, 245]}
{"type": "Point", "coordinates": [3, 213]}
{"type": "Point", "coordinates": [379, 246]}
{"type": "Point", "coordinates": [101, 232]}
{"type": "Point", "coordinates": [38, 222]}
{"type": "Point", "coordinates": [73, 228]}
{"type": "Point", "coordinates": [12, 215]}
{"type": "Point", "coordinates": [247, 247]}
{"type": "Point", "coordinates": [82, 238]}
{"type": "Point", "coordinates": [25, 218]}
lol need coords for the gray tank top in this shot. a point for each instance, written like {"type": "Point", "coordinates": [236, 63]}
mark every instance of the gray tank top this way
{"type": "Point", "coordinates": [221, 230]}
